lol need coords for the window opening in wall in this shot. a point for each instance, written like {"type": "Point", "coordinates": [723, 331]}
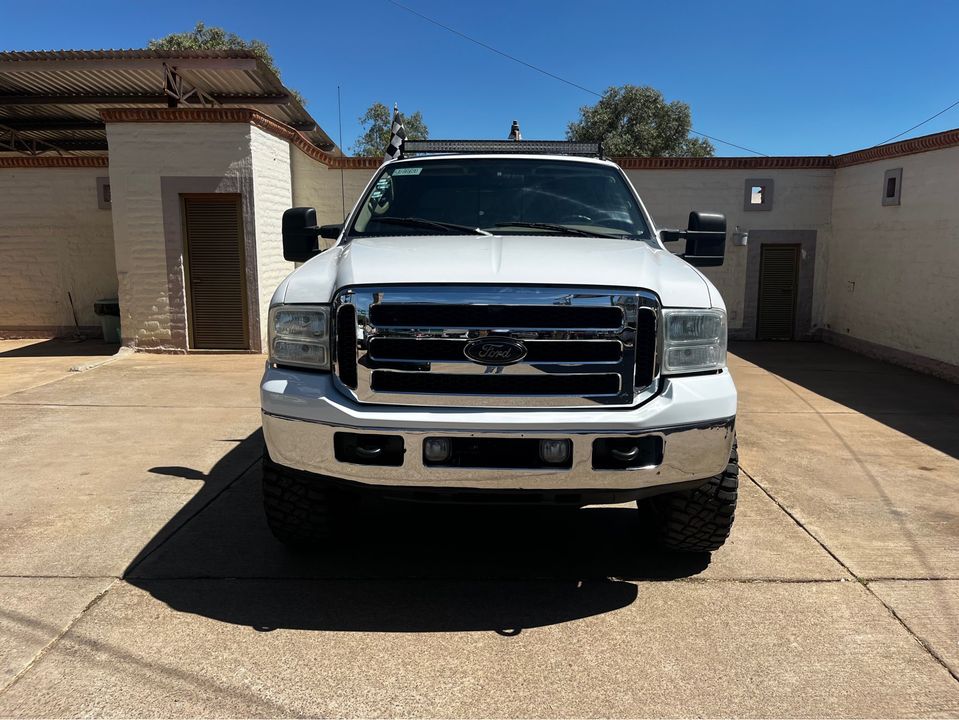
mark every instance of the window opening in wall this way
{"type": "Point", "coordinates": [892, 186]}
{"type": "Point", "coordinates": [103, 193]}
{"type": "Point", "coordinates": [759, 194]}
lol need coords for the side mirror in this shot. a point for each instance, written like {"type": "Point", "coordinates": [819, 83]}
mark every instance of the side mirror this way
{"type": "Point", "coordinates": [705, 239]}
{"type": "Point", "coordinates": [299, 234]}
{"type": "Point", "coordinates": [331, 232]}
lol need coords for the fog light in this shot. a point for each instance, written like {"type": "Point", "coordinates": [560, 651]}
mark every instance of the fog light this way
{"type": "Point", "coordinates": [436, 449]}
{"type": "Point", "coordinates": [554, 451]}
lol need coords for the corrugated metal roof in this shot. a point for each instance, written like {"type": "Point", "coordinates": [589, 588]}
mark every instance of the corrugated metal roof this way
{"type": "Point", "coordinates": [43, 89]}
{"type": "Point", "coordinates": [120, 54]}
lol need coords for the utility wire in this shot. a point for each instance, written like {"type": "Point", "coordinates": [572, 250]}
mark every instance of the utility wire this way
{"type": "Point", "coordinates": [933, 117]}
{"type": "Point", "coordinates": [492, 49]}
{"type": "Point", "coordinates": [547, 72]}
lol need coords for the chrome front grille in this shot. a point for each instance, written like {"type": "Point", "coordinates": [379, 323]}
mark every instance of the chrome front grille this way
{"type": "Point", "coordinates": [581, 346]}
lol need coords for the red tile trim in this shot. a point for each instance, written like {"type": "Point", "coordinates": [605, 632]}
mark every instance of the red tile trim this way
{"type": "Point", "coordinates": [183, 115]}
{"type": "Point", "coordinates": [54, 161]}
{"type": "Point", "coordinates": [722, 163]}
{"type": "Point", "coordinates": [936, 141]}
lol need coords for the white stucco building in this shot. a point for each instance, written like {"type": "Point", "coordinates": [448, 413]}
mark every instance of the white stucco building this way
{"type": "Point", "coordinates": [123, 172]}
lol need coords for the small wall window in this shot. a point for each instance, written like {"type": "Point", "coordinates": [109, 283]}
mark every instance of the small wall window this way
{"type": "Point", "coordinates": [759, 194]}
{"type": "Point", "coordinates": [892, 186]}
{"type": "Point", "coordinates": [103, 193]}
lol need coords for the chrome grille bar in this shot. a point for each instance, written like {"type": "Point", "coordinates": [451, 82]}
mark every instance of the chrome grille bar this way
{"type": "Point", "coordinates": [491, 317]}
{"type": "Point", "coordinates": [391, 349]}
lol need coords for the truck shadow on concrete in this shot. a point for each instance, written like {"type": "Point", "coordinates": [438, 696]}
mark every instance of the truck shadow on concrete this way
{"type": "Point", "coordinates": [62, 347]}
{"type": "Point", "coordinates": [921, 406]}
{"type": "Point", "coordinates": [404, 568]}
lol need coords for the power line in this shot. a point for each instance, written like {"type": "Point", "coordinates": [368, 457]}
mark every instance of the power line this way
{"type": "Point", "coordinates": [492, 49]}
{"type": "Point", "coordinates": [543, 71]}
{"type": "Point", "coordinates": [726, 142]}
{"type": "Point", "coordinates": [933, 117]}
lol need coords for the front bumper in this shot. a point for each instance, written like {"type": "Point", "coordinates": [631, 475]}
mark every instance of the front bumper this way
{"type": "Point", "coordinates": [694, 416]}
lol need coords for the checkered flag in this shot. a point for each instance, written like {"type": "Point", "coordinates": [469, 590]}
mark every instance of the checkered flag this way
{"type": "Point", "coordinates": [397, 135]}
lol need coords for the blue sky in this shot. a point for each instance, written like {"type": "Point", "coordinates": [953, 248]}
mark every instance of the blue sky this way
{"type": "Point", "coordinates": [783, 78]}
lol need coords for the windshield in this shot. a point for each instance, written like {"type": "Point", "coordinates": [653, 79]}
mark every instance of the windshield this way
{"type": "Point", "coordinates": [505, 196]}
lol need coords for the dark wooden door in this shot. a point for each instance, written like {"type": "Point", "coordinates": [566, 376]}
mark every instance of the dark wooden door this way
{"type": "Point", "coordinates": [215, 272]}
{"type": "Point", "coordinates": [778, 276]}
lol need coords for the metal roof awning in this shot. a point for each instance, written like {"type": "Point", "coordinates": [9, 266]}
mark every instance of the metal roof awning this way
{"type": "Point", "coordinates": [50, 101]}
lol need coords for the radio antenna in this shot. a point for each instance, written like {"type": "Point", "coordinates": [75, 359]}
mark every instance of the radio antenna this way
{"type": "Point", "coordinates": [339, 114]}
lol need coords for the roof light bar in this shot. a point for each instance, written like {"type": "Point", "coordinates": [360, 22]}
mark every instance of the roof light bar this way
{"type": "Point", "coordinates": [530, 147]}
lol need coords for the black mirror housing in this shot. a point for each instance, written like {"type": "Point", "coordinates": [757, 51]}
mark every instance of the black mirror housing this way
{"type": "Point", "coordinates": [709, 222]}
{"type": "Point", "coordinates": [706, 239]}
{"type": "Point", "coordinates": [299, 234]}
{"type": "Point", "coordinates": [331, 232]}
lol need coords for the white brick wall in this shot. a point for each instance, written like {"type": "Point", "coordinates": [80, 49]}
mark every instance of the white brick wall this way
{"type": "Point", "coordinates": [316, 185]}
{"type": "Point", "coordinates": [54, 239]}
{"type": "Point", "coordinates": [801, 201]}
{"type": "Point", "coordinates": [893, 275]}
{"type": "Point", "coordinates": [273, 194]}
{"type": "Point", "coordinates": [140, 155]}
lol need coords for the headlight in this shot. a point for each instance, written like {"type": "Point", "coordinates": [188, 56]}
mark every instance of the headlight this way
{"type": "Point", "coordinates": [694, 341]}
{"type": "Point", "coordinates": [300, 335]}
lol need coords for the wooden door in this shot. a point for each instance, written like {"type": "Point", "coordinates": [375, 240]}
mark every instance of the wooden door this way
{"type": "Point", "coordinates": [215, 268]}
{"type": "Point", "coordinates": [778, 281]}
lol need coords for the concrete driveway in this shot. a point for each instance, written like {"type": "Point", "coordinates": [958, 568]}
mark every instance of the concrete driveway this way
{"type": "Point", "coordinates": [137, 577]}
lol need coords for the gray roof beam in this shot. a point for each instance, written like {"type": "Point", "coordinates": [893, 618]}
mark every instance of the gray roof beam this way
{"type": "Point", "coordinates": [52, 124]}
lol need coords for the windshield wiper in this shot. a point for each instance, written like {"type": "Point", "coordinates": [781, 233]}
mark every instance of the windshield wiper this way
{"type": "Point", "coordinates": [565, 229]}
{"type": "Point", "coordinates": [435, 224]}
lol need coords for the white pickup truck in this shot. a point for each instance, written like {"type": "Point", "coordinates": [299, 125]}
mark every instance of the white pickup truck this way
{"type": "Point", "coordinates": [500, 322]}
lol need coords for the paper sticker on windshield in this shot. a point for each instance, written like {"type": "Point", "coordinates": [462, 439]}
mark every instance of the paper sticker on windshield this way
{"type": "Point", "coordinates": [407, 171]}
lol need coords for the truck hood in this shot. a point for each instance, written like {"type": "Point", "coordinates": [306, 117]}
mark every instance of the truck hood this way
{"type": "Point", "coordinates": [498, 260]}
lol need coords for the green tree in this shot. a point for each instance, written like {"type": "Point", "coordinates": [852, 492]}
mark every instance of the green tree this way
{"type": "Point", "coordinates": [636, 121]}
{"type": "Point", "coordinates": [377, 123]}
{"type": "Point", "coordinates": [202, 37]}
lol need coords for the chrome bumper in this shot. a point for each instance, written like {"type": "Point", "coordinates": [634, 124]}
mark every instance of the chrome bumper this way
{"type": "Point", "coordinates": [690, 452]}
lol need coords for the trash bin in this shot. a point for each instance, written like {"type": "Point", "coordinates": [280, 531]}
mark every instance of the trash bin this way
{"type": "Point", "coordinates": [108, 309]}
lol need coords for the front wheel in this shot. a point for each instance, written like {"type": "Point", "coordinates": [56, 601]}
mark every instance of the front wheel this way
{"type": "Point", "coordinates": [697, 520]}
{"type": "Point", "coordinates": [301, 510]}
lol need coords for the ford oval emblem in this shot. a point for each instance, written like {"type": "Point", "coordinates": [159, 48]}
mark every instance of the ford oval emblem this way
{"type": "Point", "coordinates": [495, 351]}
